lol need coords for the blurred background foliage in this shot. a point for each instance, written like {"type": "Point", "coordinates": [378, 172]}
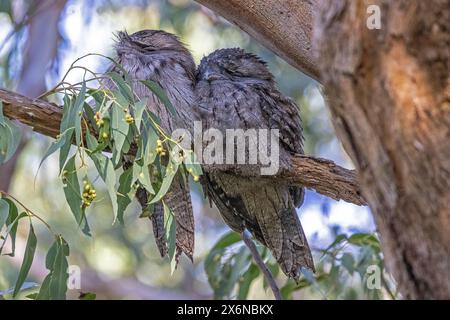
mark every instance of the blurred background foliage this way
{"type": "Point", "coordinates": [38, 42]}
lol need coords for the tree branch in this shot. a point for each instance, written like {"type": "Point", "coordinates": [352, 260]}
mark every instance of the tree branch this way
{"type": "Point", "coordinates": [42, 116]}
{"type": "Point", "coordinates": [322, 175]}
{"type": "Point", "coordinates": [285, 27]}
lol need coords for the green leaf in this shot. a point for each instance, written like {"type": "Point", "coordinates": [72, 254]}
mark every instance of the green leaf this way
{"type": "Point", "coordinates": [142, 174]}
{"type": "Point", "coordinates": [147, 144]}
{"type": "Point", "coordinates": [159, 92]}
{"type": "Point", "coordinates": [227, 240]}
{"type": "Point", "coordinates": [171, 170]}
{"type": "Point", "coordinates": [171, 236]}
{"type": "Point", "coordinates": [89, 113]}
{"type": "Point", "coordinates": [348, 262]}
{"type": "Point", "coordinates": [73, 195]}
{"type": "Point", "coordinates": [238, 264]}
{"type": "Point", "coordinates": [219, 272]}
{"type": "Point", "coordinates": [2, 117]}
{"type": "Point", "coordinates": [123, 193]}
{"type": "Point", "coordinates": [104, 110]}
{"type": "Point", "coordinates": [191, 164]}
{"type": "Point", "coordinates": [244, 284]}
{"type": "Point", "coordinates": [77, 112]}
{"type": "Point", "coordinates": [44, 291]}
{"type": "Point", "coordinates": [139, 108]}
{"type": "Point", "coordinates": [64, 153]}
{"type": "Point", "coordinates": [12, 222]}
{"type": "Point", "coordinates": [10, 137]}
{"type": "Point", "coordinates": [87, 296]}
{"type": "Point", "coordinates": [32, 296]}
{"type": "Point", "coordinates": [4, 212]}
{"type": "Point", "coordinates": [365, 239]}
{"type": "Point", "coordinates": [339, 238]}
{"type": "Point", "coordinates": [58, 284]}
{"type": "Point", "coordinates": [51, 256]}
{"type": "Point", "coordinates": [66, 120]}
{"type": "Point", "coordinates": [27, 260]}
{"type": "Point", "coordinates": [123, 87]}
{"type": "Point", "coordinates": [6, 7]}
{"type": "Point", "coordinates": [64, 139]}
{"type": "Point", "coordinates": [119, 130]}
{"type": "Point", "coordinates": [106, 171]}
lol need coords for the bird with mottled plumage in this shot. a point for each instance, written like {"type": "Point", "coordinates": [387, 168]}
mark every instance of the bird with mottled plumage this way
{"type": "Point", "coordinates": [235, 90]}
{"type": "Point", "coordinates": [161, 57]}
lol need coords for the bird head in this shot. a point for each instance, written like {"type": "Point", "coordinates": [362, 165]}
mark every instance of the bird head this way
{"type": "Point", "coordinates": [151, 45]}
{"type": "Point", "coordinates": [233, 64]}
{"type": "Point", "coordinates": [147, 41]}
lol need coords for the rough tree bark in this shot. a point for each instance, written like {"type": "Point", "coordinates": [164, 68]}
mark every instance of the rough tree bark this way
{"type": "Point", "coordinates": [389, 94]}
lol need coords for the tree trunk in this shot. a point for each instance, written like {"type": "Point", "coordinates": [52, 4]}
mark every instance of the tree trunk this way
{"type": "Point", "coordinates": [389, 94]}
{"type": "Point", "coordinates": [40, 50]}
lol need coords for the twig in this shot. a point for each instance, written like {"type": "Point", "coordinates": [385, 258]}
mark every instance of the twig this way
{"type": "Point", "coordinates": [262, 266]}
{"type": "Point", "coordinates": [27, 210]}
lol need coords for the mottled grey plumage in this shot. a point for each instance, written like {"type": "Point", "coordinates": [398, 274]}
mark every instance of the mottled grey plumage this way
{"type": "Point", "coordinates": [159, 56]}
{"type": "Point", "coordinates": [235, 90]}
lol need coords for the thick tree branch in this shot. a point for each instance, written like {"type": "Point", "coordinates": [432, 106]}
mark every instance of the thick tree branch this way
{"type": "Point", "coordinates": [285, 27]}
{"type": "Point", "coordinates": [42, 116]}
{"type": "Point", "coordinates": [322, 175]}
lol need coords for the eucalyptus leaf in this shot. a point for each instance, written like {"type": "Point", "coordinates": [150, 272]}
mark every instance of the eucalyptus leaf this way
{"type": "Point", "coordinates": [119, 130]}
{"type": "Point", "coordinates": [58, 284]}
{"type": "Point", "coordinates": [159, 92]}
{"type": "Point", "coordinates": [171, 170]}
{"type": "Point", "coordinates": [27, 260]}
{"type": "Point", "coordinates": [87, 296]}
{"type": "Point", "coordinates": [73, 195]}
{"type": "Point", "coordinates": [123, 193]}
{"type": "Point", "coordinates": [123, 86]}
{"type": "Point", "coordinates": [106, 171]}
{"type": "Point", "coordinates": [171, 236]}
{"type": "Point", "coordinates": [139, 109]}
{"type": "Point", "coordinates": [142, 174]}
{"type": "Point", "coordinates": [4, 212]}
{"type": "Point", "coordinates": [77, 112]}
{"type": "Point", "coordinates": [51, 255]}
{"type": "Point", "coordinates": [348, 262]}
{"type": "Point", "coordinates": [12, 222]}
{"type": "Point", "coordinates": [247, 279]}
{"type": "Point", "coordinates": [10, 137]}
{"type": "Point", "coordinates": [44, 291]}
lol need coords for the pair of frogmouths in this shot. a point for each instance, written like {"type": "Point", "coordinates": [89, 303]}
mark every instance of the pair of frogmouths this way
{"type": "Point", "coordinates": [230, 89]}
